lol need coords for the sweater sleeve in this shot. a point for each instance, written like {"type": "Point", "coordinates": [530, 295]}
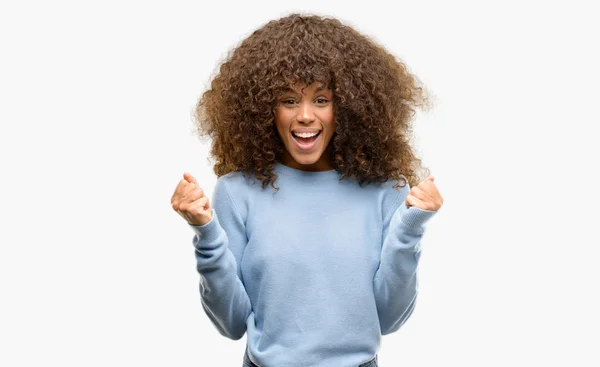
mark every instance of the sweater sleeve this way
{"type": "Point", "coordinates": [222, 292]}
{"type": "Point", "coordinates": [395, 282]}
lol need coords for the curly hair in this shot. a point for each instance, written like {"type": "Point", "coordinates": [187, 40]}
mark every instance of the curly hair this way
{"type": "Point", "coordinates": [374, 97]}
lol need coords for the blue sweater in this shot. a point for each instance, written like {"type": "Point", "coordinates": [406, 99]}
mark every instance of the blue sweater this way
{"type": "Point", "coordinates": [316, 272]}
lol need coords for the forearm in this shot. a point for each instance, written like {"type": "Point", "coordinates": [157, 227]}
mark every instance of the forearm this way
{"type": "Point", "coordinates": [223, 294]}
{"type": "Point", "coordinates": [395, 282]}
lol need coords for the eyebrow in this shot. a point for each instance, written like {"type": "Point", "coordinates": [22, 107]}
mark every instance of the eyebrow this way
{"type": "Point", "coordinates": [321, 88]}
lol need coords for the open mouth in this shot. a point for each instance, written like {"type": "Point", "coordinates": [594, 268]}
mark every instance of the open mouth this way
{"type": "Point", "coordinates": [306, 143]}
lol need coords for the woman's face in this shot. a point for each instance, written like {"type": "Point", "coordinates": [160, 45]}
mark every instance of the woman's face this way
{"type": "Point", "coordinates": [298, 116]}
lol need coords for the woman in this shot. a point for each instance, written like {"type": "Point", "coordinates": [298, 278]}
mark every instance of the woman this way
{"type": "Point", "coordinates": [317, 267]}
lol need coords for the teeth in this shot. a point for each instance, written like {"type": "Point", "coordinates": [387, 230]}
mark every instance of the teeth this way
{"type": "Point", "coordinates": [306, 135]}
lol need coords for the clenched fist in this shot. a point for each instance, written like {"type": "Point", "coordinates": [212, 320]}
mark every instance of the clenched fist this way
{"type": "Point", "coordinates": [425, 196]}
{"type": "Point", "coordinates": [190, 202]}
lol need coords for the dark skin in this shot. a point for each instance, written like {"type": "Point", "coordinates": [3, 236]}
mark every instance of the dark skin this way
{"type": "Point", "coordinates": [307, 109]}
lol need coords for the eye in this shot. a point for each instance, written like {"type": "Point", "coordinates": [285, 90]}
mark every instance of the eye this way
{"type": "Point", "coordinates": [322, 100]}
{"type": "Point", "coordinates": [288, 101]}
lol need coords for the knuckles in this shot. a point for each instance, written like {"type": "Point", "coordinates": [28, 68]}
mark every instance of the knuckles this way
{"type": "Point", "coordinates": [186, 188]}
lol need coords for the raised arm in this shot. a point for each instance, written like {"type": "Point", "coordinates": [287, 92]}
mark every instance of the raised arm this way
{"type": "Point", "coordinates": [395, 283]}
{"type": "Point", "coordinates": [222, 292]}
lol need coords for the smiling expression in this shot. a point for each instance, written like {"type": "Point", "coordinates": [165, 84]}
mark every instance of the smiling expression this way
{"type": "Point", "coordinates": [301, 112]}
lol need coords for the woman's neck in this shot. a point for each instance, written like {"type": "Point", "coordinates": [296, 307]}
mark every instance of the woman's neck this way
{"type": "Point", "coordinates": [323, 164]}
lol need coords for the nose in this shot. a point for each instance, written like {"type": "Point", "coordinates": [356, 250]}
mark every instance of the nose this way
{"type": "Point", "coordinates": [306, 113]}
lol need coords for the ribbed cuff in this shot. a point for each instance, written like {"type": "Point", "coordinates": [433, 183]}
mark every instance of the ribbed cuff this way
{"type": "Point", "coordinates": [415, 218]}
{"type": "Point", "coordinates": [208, 232]}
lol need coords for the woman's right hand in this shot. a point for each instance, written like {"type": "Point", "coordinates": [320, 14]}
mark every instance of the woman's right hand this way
{"type": "Point", "coordinates": [190, 202]}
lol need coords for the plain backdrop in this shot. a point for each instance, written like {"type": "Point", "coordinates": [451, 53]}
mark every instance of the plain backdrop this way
{"type": "Point", "coordinates": [96, 100]}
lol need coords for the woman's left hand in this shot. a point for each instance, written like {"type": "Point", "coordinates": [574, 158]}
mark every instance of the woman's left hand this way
{"type": "Point", "coordinates": [425, 196]}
